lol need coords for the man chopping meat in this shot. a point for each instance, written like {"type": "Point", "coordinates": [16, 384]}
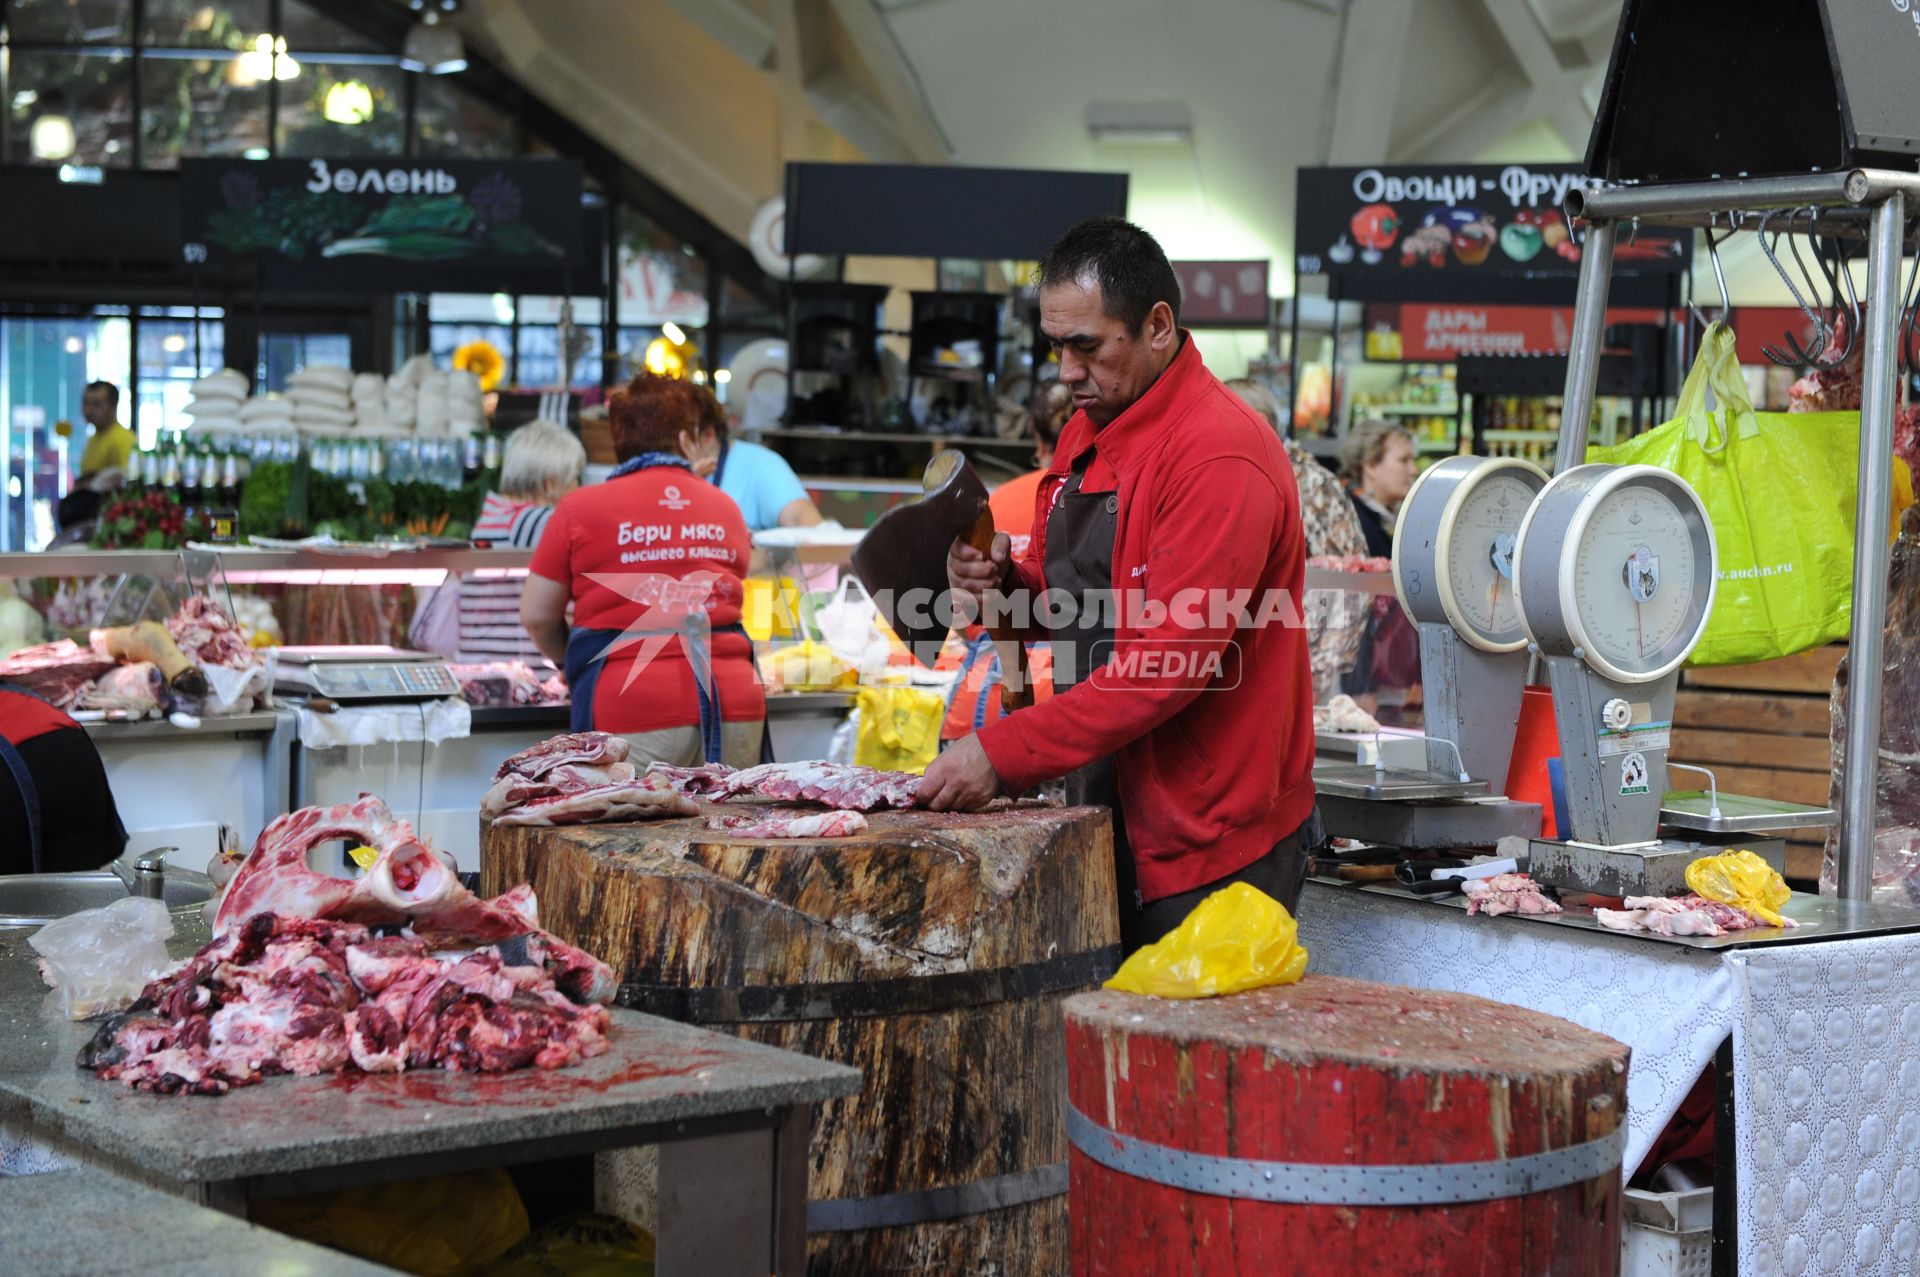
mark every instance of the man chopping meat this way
{"type": "Point", "coordinates": [1171, 520]}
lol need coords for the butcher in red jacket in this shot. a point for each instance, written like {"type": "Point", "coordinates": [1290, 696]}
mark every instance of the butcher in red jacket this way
{"type": "Point", "coordinates": [1166, 566]}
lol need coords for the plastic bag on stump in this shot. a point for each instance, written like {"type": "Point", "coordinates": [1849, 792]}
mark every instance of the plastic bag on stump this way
{"type": "Point", "coordinates": [1238, 938]}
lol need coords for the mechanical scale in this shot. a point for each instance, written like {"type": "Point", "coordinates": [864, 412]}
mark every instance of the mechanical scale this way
{"type": "Point", "coordinates": [1453, 575]}
{"type": "Point", "coordinates": [1615, 574]}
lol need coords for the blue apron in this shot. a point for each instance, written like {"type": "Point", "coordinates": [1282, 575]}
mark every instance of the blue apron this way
{"type": "Point", "coordinates": [587, 648]}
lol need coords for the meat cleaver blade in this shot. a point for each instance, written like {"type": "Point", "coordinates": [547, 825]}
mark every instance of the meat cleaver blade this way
{"type": "Point", "coordinates": [902, 560]}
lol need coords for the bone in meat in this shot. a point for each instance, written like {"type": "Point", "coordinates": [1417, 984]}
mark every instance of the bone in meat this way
{"type": "Point", "coordinates": [302, 996]}
{"type": "Point", "coordinates": [1678, 916]}
{"type": "Point", "coordinates": [592, 749]}
{"type": "Point", "coordinates": [570, 778]}
{"type": "Point", "coordinates": [408, 884]}
{"type": "Point", "coordinates": [832, 824]}
{"type": "Point", "coordinates": [838, 785]}
{"type": "Point", "coordinates": [644, 798]}
{"type": "Point", "coordinates": [137, 689]}
{"type": "Point", "coordinates": [1506, 893]}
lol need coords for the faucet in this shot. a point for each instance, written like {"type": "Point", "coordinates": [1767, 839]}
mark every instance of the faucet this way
{"type": "Point", "coordinates": [148, 875]}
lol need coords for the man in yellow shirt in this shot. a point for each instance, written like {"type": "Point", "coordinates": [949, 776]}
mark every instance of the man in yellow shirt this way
{"type": "Point", "coordinates": [111, 446]}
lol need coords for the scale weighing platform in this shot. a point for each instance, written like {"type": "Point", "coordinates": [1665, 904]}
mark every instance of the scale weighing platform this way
{"type": "Point", "coordinates": [1615, 572]}
{"type": "Point", "coordinates": [362, 673]}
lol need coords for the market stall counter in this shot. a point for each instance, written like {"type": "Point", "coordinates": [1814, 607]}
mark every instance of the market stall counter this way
{"type": "Point", "coordinates": [1821, 1023]}
{"type": "Point", "coordinates": [732, 1119]}
{"type": "Point", "coordinates": [87, 1223]}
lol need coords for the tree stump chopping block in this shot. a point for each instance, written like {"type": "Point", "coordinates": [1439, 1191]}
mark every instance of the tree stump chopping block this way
{"type": "Point", "coordinates": [1338, 1127]}
{"type": "Point", "coordinates": [931, 952]}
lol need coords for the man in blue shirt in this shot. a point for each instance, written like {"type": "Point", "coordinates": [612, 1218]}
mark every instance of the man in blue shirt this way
{"type": "Point", "coordinates": [758, 479]}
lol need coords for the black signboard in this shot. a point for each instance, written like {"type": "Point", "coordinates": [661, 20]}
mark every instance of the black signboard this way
{"type": "Point", "coordinates": [1422, 225]}
{"type": "Point", "coordinates": [391, 225]}
{"type": "Point", "coordinates": [941, 210]}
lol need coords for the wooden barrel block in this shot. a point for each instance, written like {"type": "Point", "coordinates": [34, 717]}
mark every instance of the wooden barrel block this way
{"type": "Point", "coordinates": [1339, 1073]}
{"type": "Point", "coordinates": [931, 952]}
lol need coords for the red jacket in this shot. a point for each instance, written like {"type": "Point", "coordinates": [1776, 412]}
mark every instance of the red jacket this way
{"type": "Point", "coordinates": [1212, 771]}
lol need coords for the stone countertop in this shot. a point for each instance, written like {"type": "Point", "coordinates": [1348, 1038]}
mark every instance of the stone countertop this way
{"type": "Point", "coordinates": [658, 1071]}
{"type": "Point", "coordinates": [91, 1224]}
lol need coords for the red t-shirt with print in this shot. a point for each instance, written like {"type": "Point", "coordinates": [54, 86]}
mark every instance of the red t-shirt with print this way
{"type": "Point", "coordinates": [638, 554]}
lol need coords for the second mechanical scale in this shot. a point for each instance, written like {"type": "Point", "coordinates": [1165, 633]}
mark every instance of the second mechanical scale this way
{"type": "Point", "coordinates": [1605, 576]}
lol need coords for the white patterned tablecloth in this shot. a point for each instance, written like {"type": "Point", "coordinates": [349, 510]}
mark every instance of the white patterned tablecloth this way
{"type": "Point", "coordinates": [1826, 1040]}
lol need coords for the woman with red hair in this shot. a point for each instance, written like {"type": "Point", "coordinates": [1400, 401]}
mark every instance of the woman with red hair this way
{"type": "Point", "coordinates": [653, 562]}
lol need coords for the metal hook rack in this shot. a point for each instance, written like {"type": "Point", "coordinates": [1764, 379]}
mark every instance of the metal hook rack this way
{"type": "Point", "coordinates": [1881, 197]}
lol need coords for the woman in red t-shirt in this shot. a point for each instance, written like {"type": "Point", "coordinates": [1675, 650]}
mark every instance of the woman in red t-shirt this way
{"type": "Point", "coordinates": [653, 562]}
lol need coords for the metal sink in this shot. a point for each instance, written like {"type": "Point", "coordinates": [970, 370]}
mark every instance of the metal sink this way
{"type": "Point", "coordinates": [33, 900]}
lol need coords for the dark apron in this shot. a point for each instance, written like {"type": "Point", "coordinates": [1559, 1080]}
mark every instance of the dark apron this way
{"type": "Point", "coordinates": [14, 766]}
{"type": "Point", "coordinates": [1082, 530]}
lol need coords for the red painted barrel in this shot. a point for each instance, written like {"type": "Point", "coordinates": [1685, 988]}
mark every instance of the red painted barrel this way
{"type": "Point", "coordinates": [1341, 1128]}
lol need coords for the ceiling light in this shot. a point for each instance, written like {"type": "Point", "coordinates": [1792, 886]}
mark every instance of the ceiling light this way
{"type": "Point", "coordinates": [672, 332]}
{"type": "Point", "coordinates": [503, 308]}
{"type": "Point", "coordinates": [349, 102]}
{"type": "Point", "coordinates": [433, 47]}
{"type": "Point", "coordinates": [1140, 123]}
{"type": "Point", "coordinates": [174, 344]}
{"type": "Point", "coordinates": [51, 137]}
{"type": "Point", "coordinates": [75, 345]}
{"type": "Point", "coordinates": [255, 153]}
{"type": "Point", "coordinates": [266, 60]}
{"type": "Point", "coordinates": [82, 174]}
{"type": "Point", "coordinates": [722, 375]}
{"type": "Point", "coordinates": [24, 99]}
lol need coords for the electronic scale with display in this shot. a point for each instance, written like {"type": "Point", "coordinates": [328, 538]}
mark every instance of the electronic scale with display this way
{"type": "Point", "coordinates": [362, 673]}
{"type": "Point", "coordinates": [1453, 576]}
{"type": "Point", "coordinates": [1615, 573]}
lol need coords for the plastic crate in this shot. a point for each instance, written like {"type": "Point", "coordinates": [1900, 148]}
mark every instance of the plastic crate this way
{"type": "Point", "coordinates": [1667, 1234]}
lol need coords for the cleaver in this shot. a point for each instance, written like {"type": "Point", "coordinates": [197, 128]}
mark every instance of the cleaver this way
{"type": "Point", "coordinates": [902, 560]}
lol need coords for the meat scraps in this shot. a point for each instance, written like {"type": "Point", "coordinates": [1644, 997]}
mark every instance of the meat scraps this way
{"type": "Point", "coordinates": [588, 749]}
{"type": "Point", "coordinates": [1506, 893]}
{"type": "Point", "coordinates": [584, 796]}
{"type": "Point", "coordinates": [777, 824]}
{"type": "Point", "coordinates": [1678, 916]}
{"type": "Point", "coordinates": [578, 778]}
{"type": "Point", "coordinates": [282, 994]}
{"type": "Point", "coordinates": [838, 785]}
{"type": "Point", "coordinates": [409, 884]}
{"type": "Point", "coordinates": [504, 683]}
{"type": "Point", "coordinates": [58, 672]}
{"type": "Point", "coordinates": [209, 636]}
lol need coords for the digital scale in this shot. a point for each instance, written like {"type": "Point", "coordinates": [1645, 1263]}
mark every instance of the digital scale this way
{"type": "Point", "coordinates": [1453, 565]}
{"type": "Point", "coordinates": [362, 673]}
{"type": "Point", "coordinates": [1614, 574]}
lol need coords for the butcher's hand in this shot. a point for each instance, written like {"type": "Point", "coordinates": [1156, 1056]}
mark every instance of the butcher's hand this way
{"type": "Point", "coordinates": [960, 779]}
{"type": "Point", "coordinates": [972, 573]}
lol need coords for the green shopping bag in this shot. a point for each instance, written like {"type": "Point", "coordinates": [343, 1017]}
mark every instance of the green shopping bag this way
{"type": "Point", "coordinates": [1780, 489]}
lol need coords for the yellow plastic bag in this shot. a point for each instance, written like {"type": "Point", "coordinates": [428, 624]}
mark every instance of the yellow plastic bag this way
{"type": "Point", "coordinates": [1743, 880]}
{"type": "Point", "coordinates": [1238, 938]}
{"type": "Point", "coordinates": [805, 667]}
{"type": "Point", "coordinates": [442, 1226]}
{"type": "Point", "coordinates": [899, 728]}
{"type": "Point", "coordinates": [770, 609]}
{"type": "Point", "coordinates": [580, 1246]}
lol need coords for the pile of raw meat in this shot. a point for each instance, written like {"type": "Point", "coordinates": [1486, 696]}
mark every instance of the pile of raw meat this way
{"type": "Point", "coordinates": [576, 779]}
{"type": "Point", "coordinates": [838, 785]}
{"type": "Point", "coordinates": [208, 635]}
{"type": "Point", "coordinates": [1507, 893]}
{"type": "Point", "coordinates": [508, 683]}
{"type": "Point", "coordinates": [59, 672]}
{"type": "Point", "coordinates": [402, 968]}
{"type": "Point", "coordinates": [1679, 916]}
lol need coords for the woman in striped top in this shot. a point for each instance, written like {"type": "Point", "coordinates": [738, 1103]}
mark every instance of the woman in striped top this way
{"type": "Point", "coordinates": [541, 464]}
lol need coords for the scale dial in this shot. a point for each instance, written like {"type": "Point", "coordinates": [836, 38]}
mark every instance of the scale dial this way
{"type": "Point", "coordinates": [1454, 551]}
{"type": "Point", "coordinates": [1616, 566]}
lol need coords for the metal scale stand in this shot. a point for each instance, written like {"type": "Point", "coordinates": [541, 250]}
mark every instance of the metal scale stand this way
{"type": "Point", "coordinates": [1453, 574]}
{"type": "Point", "coordinates": [1615, 571]}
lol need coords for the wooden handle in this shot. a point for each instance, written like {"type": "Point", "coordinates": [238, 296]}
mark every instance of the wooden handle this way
{"type": "Point", "coordinates": [1016, 692]}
